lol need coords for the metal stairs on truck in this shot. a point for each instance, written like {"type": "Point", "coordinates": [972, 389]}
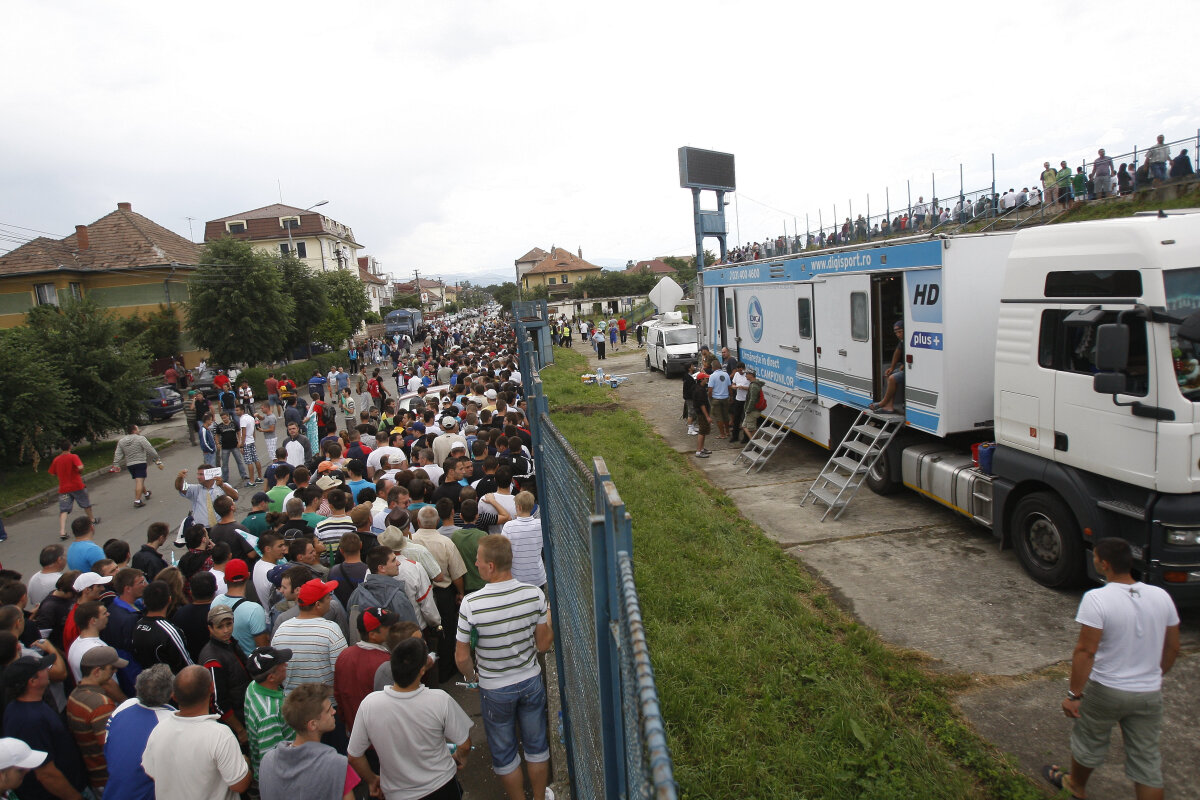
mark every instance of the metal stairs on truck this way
{"type": "Point", "coordinates": [782, 413]}
{"type": "Point", "coordinates": [852, 460]}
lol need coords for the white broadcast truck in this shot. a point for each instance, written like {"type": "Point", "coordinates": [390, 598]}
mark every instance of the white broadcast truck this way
{"type": "Point", "coordinates": [671, 344]}
{"type": "Point", "coordinates": [1075, 348]}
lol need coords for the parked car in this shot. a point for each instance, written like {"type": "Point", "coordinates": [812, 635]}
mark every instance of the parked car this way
{"type": "Point", "coordinates": [301, 352]}
{"type": "Point", "coordinates": [406, 400]}
{"type": "Point", "coordinates": [162, 402]}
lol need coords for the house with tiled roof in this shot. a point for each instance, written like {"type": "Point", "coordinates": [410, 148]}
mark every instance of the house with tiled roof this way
{"type": "Point", "coordinates": [654, 266]}
{"type": "Point", "coordinates": [319, 241]}
{"type": "Point", "coordinates": [122, 261]}
{"type": "Point", "coordinates": [558, 270]}
{"type": "Point", "coordinates": [434, 295]}
{"type": "Point", "coordinates": [378, 288]}
{"type": "Point", "coordinates": [528, 262]}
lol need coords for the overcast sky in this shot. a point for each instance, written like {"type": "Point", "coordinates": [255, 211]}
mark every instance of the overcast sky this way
{"type": "Point", "coordinates": [455, 136]}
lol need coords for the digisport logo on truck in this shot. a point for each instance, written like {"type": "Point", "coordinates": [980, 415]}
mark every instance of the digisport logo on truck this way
{"type": "Point", "coordinates": [756, 319]}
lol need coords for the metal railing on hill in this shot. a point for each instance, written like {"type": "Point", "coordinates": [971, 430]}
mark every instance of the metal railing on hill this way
{"type": "Point", "coordinates": [612, 725]}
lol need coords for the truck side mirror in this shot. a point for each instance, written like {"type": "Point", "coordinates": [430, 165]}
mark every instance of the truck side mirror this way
{"type": "Point", "coordinates": [1112, 347]}
{"type": "Point", "coordinates": [1108, 383]}
{"type": "Point", "coordinates": [1190, 329]}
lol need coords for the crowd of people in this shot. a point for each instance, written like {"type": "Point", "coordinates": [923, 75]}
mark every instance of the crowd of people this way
{"type": "Point", "coordinates": [300, 650]}
{"type": "Point", "coordinates": [1056, 185]}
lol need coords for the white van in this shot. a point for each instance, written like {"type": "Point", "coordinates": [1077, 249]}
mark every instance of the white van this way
{"type": "Point", "coordinates": [671, 343]}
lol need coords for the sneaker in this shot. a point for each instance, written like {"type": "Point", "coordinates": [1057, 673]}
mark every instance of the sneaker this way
{"type": "Point", "coordinates": [706, 451]}
{"type": "Point", "coordinates": [248, 485]}
{"type": "Point", "coordinates": [146, 494]}
{"type": "Point", "coordinates": [139, 503]}
{"type": "Point", "coordinates": [549, 793]}
{"type": "Point", "coordinates": [691, 431]}
{"type": "Point", "coordinates": [702, 454]}
{"type": "Point", "coordinates": [96, 521]}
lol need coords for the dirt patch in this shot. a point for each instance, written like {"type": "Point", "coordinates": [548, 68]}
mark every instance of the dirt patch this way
{"type": "Point", "coordinates": [587, 410]}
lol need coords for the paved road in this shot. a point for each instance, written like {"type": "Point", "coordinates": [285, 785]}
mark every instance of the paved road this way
{"type": "Point", "coordinates": [929, 580]}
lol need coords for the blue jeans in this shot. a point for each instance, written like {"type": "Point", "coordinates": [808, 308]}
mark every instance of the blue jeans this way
{"type": "Point", "coordinates": [210, 459]}
{"type": "Point", "coordinates": [1158, 170]}
{"type": "Point", "coordinates": [236, 452]}
{"type": "Point", "coordinates": [521, 703]}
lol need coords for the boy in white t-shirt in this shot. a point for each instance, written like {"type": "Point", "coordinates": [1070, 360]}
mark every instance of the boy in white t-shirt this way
{"type": "Point", "coordinates": [1129, 639]}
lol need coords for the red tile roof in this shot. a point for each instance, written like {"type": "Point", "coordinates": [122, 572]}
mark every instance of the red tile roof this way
{"type": "Point", "coordinates": [263, 223]}
{"type": "Point", "coordinates": [562, 261]}
{"type": "Point", "coordinates": [122, 240]}
{"type": "Point", "coordinates": [536, 254]}
{"type": "Point", "coordinates": [656, 266]}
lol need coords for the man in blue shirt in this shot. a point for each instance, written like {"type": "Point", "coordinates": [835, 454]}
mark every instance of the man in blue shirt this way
{"type": "Point", "coordinates": [718, 392]}
{"type": "Point", "coordinates": [128, 729]}
{"type": "Point", "coordinates": [250, 628]}
{"type": "Point", "coordinates": [32, 720]}
{"type": "Point", "coordinates": [83, 552]}
{"type": "Point", "coordinates": [316, 384]}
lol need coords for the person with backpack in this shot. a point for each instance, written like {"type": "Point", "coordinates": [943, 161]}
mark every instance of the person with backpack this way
{"type": "Point", "coordinates": [756, 404]}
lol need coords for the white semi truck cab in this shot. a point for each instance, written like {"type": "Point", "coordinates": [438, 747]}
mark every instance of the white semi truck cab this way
{"type": "Point", "coordinates": [1074, 348]}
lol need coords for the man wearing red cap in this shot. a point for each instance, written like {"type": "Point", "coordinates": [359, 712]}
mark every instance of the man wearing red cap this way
{"type": "Point", "coordinates": [315, 642]}
{"type": "Point", "coordinates": [354, 673]}
{"type": "Point", "coordinates": [250, 628]}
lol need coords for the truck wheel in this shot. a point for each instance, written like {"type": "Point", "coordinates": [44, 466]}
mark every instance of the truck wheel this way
{"type": "Point", "coordinates": [880, 479]}
{"type": "Point", "coordinates": [1047, 540]}
{"type": "Point", "coordinates": [649, 366]}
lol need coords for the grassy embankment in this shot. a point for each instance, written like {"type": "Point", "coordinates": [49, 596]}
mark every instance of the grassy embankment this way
{"type": "Point", "coordinates": [769, 689]}
{"type": "Point", "coordinates": [1128, 206]}
{"type": "Point", "coordinates": [22, 482]}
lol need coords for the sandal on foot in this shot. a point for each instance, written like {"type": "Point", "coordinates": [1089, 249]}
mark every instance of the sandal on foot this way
{"type": "Point", "coordinates": [1056, 777]}
{"type": "Point", "coordinates": [873, 407]}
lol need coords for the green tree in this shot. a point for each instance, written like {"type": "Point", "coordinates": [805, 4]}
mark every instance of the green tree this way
{"type": "Point", "coordinates": [346, 292]}
{"type": "Point", "coordinates": [503, 293]}
{"type": "Point", "coordinates": [308, 295]}
{"type": "Point", "coordinates": [81, 343]}
{"type": "Point", "coordinates": [371, 318]}
{"type": "Point", "coordinates": [406, 301]}
{"type": "Point", "coordinates": [158, 331]}
{"type": "Point", "coordinates": [334, 329]}
{"type": "Point", "coordinates": [238, 309]}
{"type": "Point", "coordinates": [36, 402]}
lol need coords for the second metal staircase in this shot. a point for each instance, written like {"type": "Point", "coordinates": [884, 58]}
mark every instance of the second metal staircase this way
{"type": "Point", "coordinates": [852, 460]}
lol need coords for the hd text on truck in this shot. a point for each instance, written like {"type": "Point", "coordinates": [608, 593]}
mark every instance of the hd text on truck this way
{"type": "Point", "coordinates": [1075, 348]}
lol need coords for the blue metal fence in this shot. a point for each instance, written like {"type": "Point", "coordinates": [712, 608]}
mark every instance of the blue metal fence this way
{"type": "Point", "coordinates": [613, 729]}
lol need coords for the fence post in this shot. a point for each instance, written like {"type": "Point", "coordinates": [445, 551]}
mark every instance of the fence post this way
{"type": "Point", "coordinates": [605, 602]}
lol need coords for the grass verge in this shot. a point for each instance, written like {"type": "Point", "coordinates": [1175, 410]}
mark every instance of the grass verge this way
{"type": "Point", "coordinates": [1128, 206]}
{"type": "Point", "coordinates": [21, 483]}
{"type": "Point", "coordinates": [769, 690]}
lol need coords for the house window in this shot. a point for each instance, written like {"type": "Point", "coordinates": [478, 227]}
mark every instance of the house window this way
{"type": "Point", "coordinates": [564, 277]}
{"type": "Point", "coordinates": [289, 222]}
{"type": "Point", "coordinates": [301, 250]}
{"type": "Point", "coordinates": [46, 294]}
{"type": "Point", "coordinates": [236, 227]}
{"type": "Point", "coordinates": [76, 291]}
{"type": "Point", "coordinates": [552, 281]}
{"type": "Point", "coordinates": [283, 248]}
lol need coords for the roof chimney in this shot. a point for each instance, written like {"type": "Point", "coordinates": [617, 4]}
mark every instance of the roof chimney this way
{"type": "Point", "coordinates": [124, 207]}
{"type": "Point", "coordinates": [82, 237]}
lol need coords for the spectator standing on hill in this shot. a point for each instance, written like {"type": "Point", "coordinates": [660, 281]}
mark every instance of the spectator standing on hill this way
{"type": "Point", "coordinates": [68, 468]}
{"type": "Point", "coordinates": [1050, 183]}
{"type": "Point", "coordinates": [1102, 174]}
{"type": "Point", "coordinates": [1158, 157]}
{"type": "Point", "coordinates": [1128, 639]}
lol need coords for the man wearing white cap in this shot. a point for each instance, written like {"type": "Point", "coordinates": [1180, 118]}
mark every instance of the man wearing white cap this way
{"type": "Point", "coordinates": [16, 759]}
{"type": "Point", "coordinates": [446, 441]}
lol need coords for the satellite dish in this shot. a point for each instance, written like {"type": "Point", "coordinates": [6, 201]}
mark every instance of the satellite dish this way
{"type": "Point", "coordinates": [666, 294]}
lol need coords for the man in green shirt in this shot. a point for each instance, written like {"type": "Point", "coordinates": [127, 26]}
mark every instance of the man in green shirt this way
{"type": "Point", "coordinates": [1063, 183]}
{"type": "Point", "coordinates": [256, 521]}
{"type": "Point", "coordinates": [265, 727]}
{"type": "Point", "coordinates": [1079, 183]}
{"type": "Point", "coordinates": [277, 493]}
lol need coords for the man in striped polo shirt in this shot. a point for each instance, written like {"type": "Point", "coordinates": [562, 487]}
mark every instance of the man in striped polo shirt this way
{"type": "Point", "coordinates": [265, 727]}
{"type": "Point", "coordinates": [511, 621]}
{"type": "Point", "coordinates": [315, 643]}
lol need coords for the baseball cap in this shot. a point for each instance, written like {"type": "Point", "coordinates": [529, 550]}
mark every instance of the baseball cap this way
{"type": "Point", "coordinates": [260, 497]}
{"type": "Point", "coordinates": [449, 422]}
{"type": "Point", "coordinates": [275, 576]}
{"type": "Point", "coordinates": [395, 458]}
{"type": "Point", "coordinates": [102, 657]}
{"type": "Point", "coordinates": [18, 673]}
{"type": "Point", "coordinates": [314, 590]}
{"type": "Point", "coordinates": [89, 579]}
{"type": "Point", "coordinates": [490, 394]}
{"type": "Point", "coordinates": [217, 613]}
{"type": "Point", "coordinates": [418, 426]}
{"type": "Point", "coordinates": [325, 466]}
{"type": "Point", "coordinates": [265, 659]}
{"type": "Point", "coordinates": [457, 445]}
{"type": "Point", "coordinates": [236, 571]}
{"type": "Point", "coordinates": [15, 753]}
{"type": "Point", "coordinates": [377, 617]}
{"type": "Point", "coordinates": [701, 376]}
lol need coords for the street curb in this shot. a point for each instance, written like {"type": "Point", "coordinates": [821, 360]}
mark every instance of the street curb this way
{"type": "Point", "coordinates": [50, 495]}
